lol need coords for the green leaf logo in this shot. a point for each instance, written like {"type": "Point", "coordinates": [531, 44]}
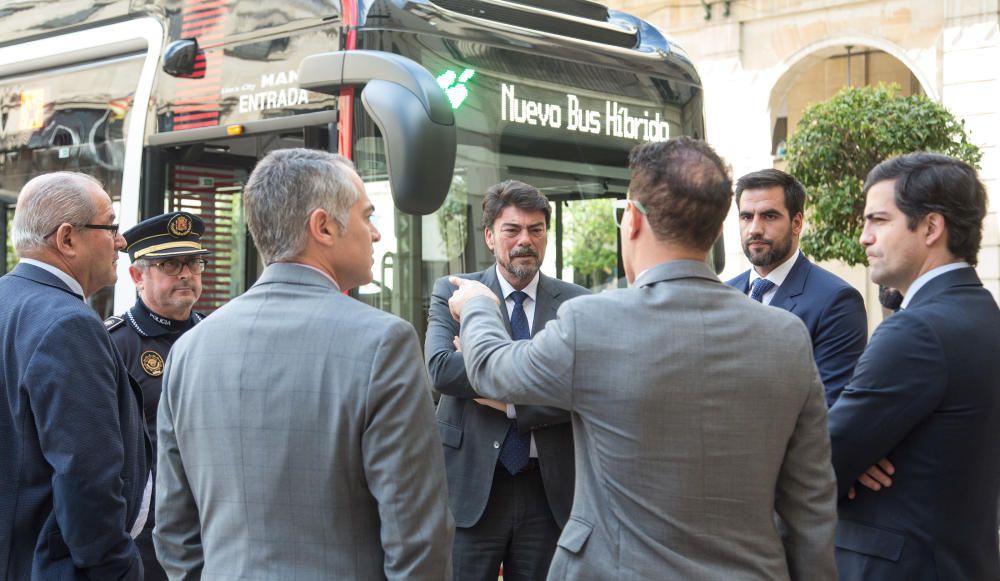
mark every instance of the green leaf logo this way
{"type": "Point", "coordinates": [454, 85]}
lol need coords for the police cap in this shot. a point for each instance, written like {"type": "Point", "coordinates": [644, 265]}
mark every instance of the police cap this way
{"type": "Point", "coordinates": [173, 234]}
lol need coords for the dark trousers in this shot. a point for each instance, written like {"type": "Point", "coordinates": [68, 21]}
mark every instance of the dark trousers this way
{"type": "Point", "coordinates": [151, 567]}
{"type": "Point", "coordinates": [516, 529]}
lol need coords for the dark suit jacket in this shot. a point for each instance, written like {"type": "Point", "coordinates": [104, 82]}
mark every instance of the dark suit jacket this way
{"type": "Point", "coordinates": [926, 394]}
{"type": "Point", "coordinates": [472, 433]}
{"type": "Point", "coordinates": [75, 455]}
{"type": "Point", "coordinates": [834, 314]}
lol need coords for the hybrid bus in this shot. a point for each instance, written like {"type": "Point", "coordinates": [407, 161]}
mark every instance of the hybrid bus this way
{"type": "Point", "coordinates": [170, 103]}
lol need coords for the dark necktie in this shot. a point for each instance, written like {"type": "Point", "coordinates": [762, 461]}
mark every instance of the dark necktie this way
{"type": "Point", "coordinates": [516, 446]}
{"type": "Point", "coordinates": [760, 288]}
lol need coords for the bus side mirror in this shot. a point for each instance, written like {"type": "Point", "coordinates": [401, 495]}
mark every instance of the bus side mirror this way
{"type": "Point", "coordinates": [180, 59]}
{"type": "Point", "coordinates": [411, 111]}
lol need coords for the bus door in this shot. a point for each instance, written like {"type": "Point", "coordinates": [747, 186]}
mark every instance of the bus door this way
{"type": "Point", "coordinates": [585, 245]}
{"type": "Point", "coordinates": [207, 179]}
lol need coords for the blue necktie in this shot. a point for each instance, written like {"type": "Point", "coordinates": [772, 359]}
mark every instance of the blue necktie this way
{"type": "Point", "coordinates": [516, 446]}
{"type": "Point", "coordinates": [760, 288]}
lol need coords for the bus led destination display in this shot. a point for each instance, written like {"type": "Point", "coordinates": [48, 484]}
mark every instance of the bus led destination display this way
{"type": "Point", "coordinates": [570, 114]}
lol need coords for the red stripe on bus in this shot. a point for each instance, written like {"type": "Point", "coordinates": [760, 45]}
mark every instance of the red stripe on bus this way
{"type": "Point", "coordinates": [192, 116]}
{"type": "Point", "coordinates": [349, 9]}
{"type": "Point", "coordinates": [183, 126]}
{"type": "Point", "coordinates": [207, 27]}
{"type": "Point", "coordinates": [197, 13]}
{"type": "Point", "coordinates": [192, 108]}
{"type": "Point", "coordinates": [345, 125]}
{"type": "Point", "coordinates": [210, 90]}
{"type": "Point", "coordinates": [201, 4]}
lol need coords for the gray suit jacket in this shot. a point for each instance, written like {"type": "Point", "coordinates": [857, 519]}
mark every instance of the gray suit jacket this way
{"type": "Point", "coordinates": [697, 415]}
{"type": "Point", "coordinates": [297, 442]}
{"type": "Point", "coordinates": [472, 433]}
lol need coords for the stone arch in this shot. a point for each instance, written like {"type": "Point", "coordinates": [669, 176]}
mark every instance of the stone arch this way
{"type": "Point", "coordinates": [803, 63]}
{"type": "Point", "coordinates": [789, 71]}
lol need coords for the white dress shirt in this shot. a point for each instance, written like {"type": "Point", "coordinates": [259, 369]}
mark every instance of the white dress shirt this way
{"type": "Point", "coordinates": [777, 276]}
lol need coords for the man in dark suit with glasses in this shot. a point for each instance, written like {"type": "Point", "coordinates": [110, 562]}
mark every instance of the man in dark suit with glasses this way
{"type": "Point", "coordinates": [75, 461]}
{"type": "Point", "coordinates": [167, 262]}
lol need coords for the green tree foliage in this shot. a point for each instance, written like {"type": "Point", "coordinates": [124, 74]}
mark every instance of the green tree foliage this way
{"type": "Point", "coordinates": [452, 218]}
{"type": "Point", "coordinates": [837, 143]}
{"type": "Point", "coordinates": [11, 255]}
{"type": "Point", "coordinates": [591, 241]}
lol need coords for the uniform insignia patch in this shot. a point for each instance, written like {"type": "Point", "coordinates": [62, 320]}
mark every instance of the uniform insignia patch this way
{"type": "Point", "coordinates": [180, 225]}
{"type": "Point", "coordinates": [112, 323]}
{"type": "Point", "coordinates": [152, 363]}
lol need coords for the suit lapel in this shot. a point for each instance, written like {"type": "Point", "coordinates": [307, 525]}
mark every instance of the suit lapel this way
{"type": "Point", "coordinates": [546, 304]}
{"type": "Point", "coordinates": [787, 294]}
{"type": "Point", "coordinates": [742, 282]}
{"type": "Point", "coordinates": [489, 278]}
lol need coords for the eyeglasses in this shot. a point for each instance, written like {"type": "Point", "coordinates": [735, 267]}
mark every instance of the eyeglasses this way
{"type": "Point", "coordinates": [622, 204]}
{"type": "Point", "coordinates": [174, 266]}
{"type": "Point", "coordinates": [113, 228]}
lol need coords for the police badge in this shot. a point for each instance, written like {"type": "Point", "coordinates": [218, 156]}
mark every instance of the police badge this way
{"type": "Point", "coordinates": [152, 363]}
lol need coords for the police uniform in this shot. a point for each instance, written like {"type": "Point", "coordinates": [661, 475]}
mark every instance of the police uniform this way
{"type": "Point", "coordinates": [144, 338]}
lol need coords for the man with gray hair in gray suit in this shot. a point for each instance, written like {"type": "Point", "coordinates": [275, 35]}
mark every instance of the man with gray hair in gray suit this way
{"type": "Point", "coordinates": [296, 427]}
{"type": "Point", "coordinates": [698, 415]}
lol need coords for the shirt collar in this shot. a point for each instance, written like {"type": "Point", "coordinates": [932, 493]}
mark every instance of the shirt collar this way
{"type": "Point", "coordinates": [505, 287]}
{"type": "Point", "coordinates": [928, 276]}
{"type": "Point", "coordinates": [779, 274]}
{"type": "Point", "coordinates": [68, 280]}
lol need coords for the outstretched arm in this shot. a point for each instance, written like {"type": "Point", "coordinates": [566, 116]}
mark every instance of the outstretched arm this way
{"type": "Point", "coordinates": [538, 371]}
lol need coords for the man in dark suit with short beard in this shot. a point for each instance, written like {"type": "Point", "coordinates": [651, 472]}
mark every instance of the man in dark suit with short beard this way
{"type": "Point", "coordinates": [510, 468]}
{"type": "Point", "coordinates": [771, 205]}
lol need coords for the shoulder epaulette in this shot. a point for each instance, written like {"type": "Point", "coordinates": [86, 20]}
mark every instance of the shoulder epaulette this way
{"type": "Point", "coordinates": [112, 323]}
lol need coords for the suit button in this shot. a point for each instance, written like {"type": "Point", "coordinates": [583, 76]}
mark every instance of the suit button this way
{"type": "Point", "coordinates": [496, 444]}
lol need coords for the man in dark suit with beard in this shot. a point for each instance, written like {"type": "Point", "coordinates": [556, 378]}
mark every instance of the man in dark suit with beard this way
{"type": "Point", "coordinates": [771, 205]}
{"type": "Point", "coordinates": [510, 468]}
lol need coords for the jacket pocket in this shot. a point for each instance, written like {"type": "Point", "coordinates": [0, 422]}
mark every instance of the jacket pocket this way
{"type": "Point", "coordinates": [869, 540]}
{"type": "Point", "coordinates": [575, 534]}
{"type": "Point", "coordinates": [450, 435]}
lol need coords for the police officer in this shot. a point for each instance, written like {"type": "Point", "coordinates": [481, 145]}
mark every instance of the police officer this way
{"type": "Point", "coordinates": [167, 262]}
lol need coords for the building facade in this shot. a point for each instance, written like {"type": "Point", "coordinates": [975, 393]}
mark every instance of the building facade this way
{"type": "Point", "coordinates": [763, 61]}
